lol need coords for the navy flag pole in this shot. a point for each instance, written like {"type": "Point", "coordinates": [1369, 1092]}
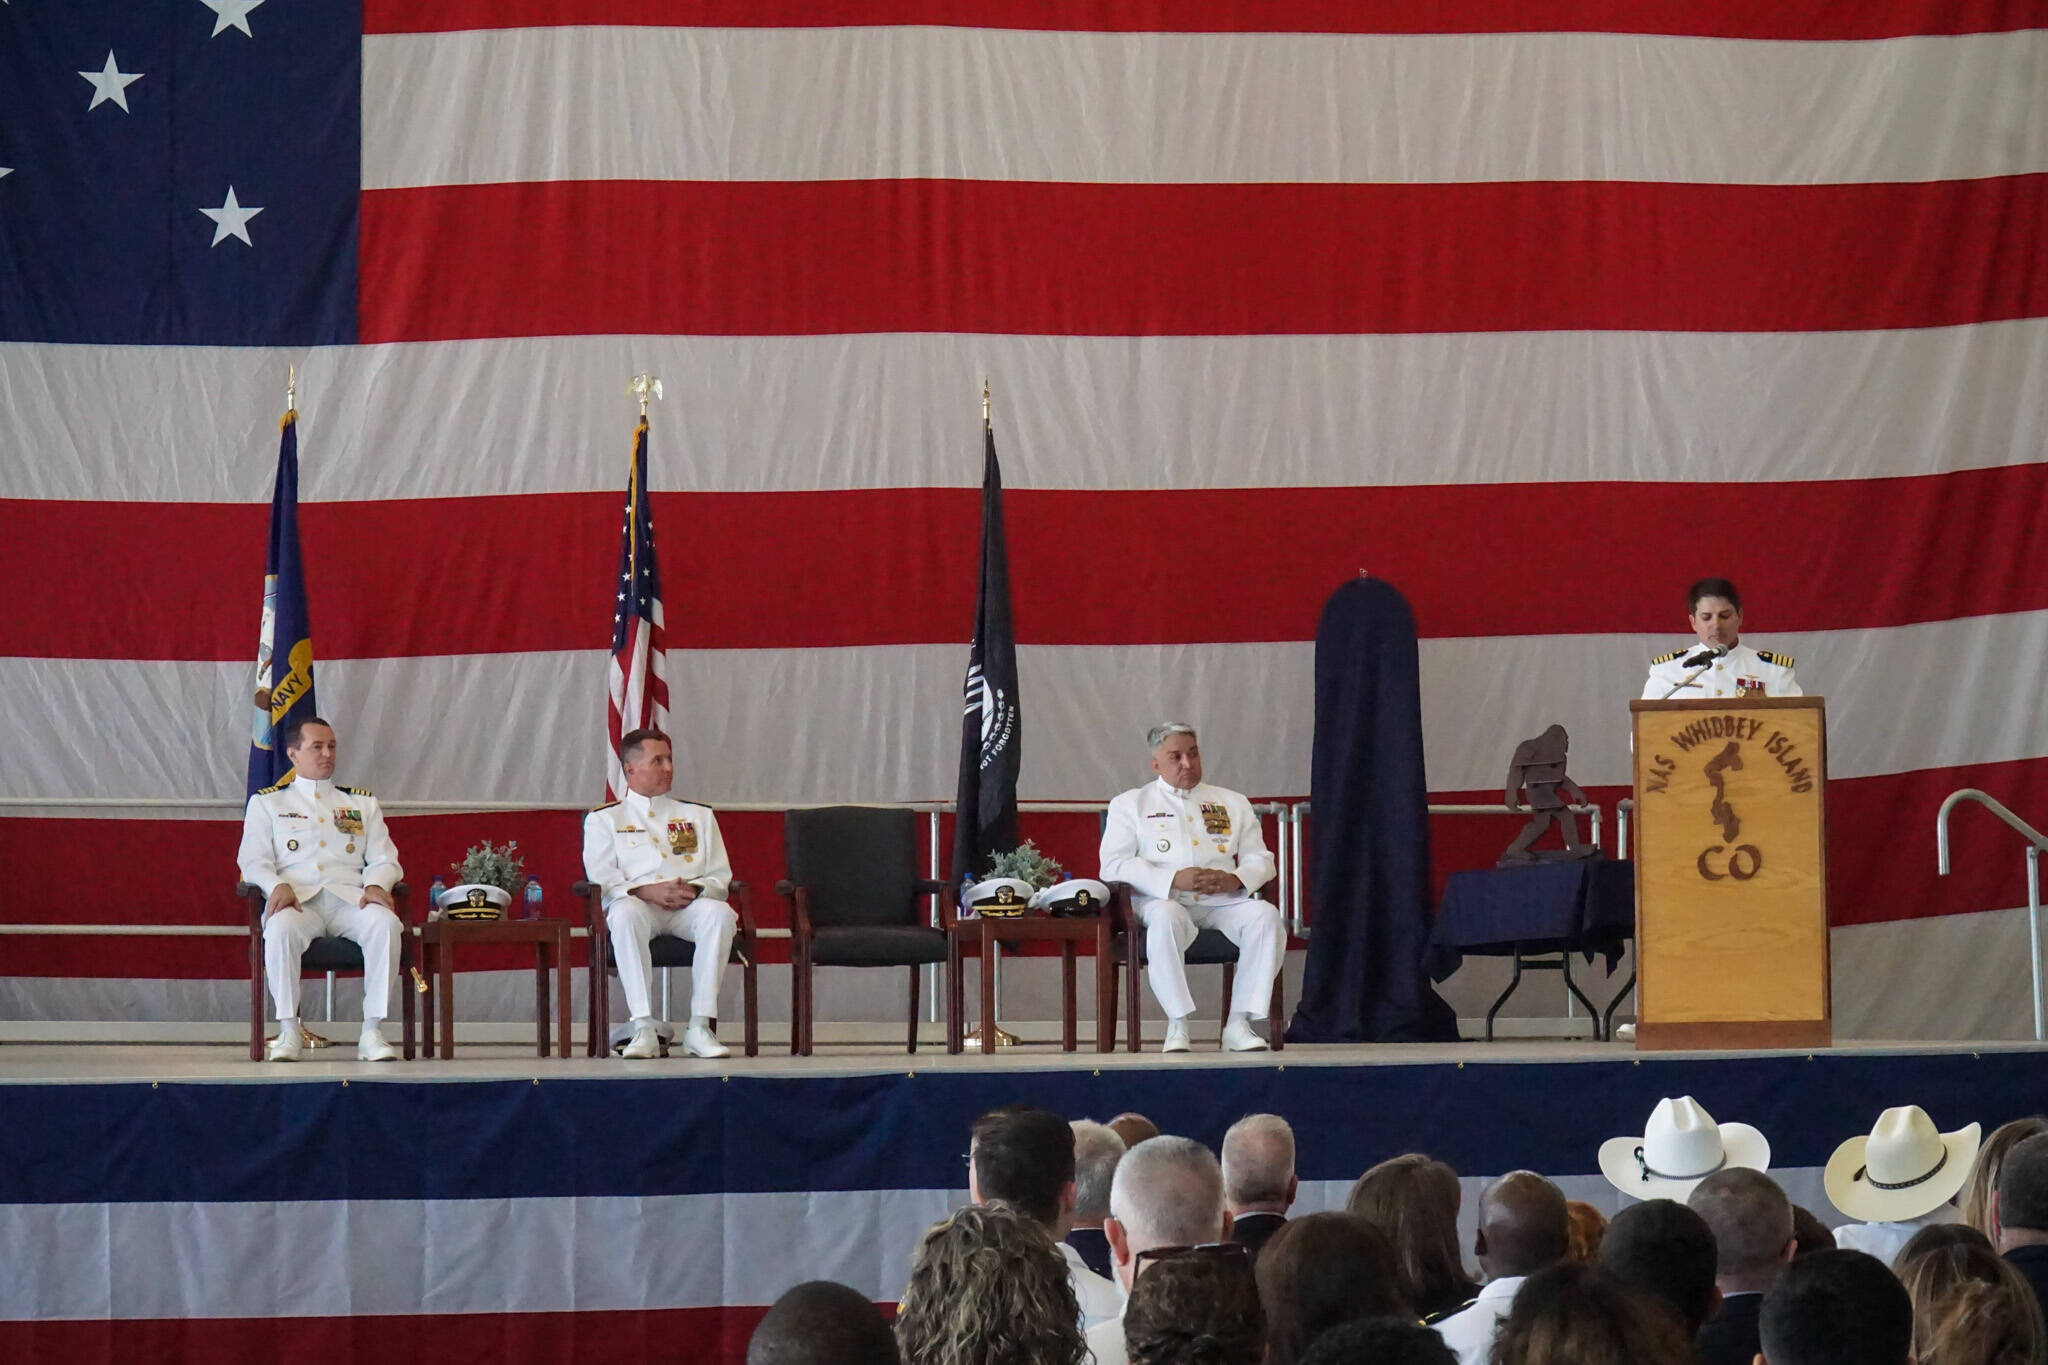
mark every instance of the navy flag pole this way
{"type": "Point", "coordinates": [284, 649]}
{"type": "Point", "coordinates": [991, 733]}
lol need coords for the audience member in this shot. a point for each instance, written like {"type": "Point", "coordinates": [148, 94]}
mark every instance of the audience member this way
{"type": "Point", "coordinates": [989, 1287]}
{"type": "Point", "coordinates": [1663, 1248]}
{"type": "Point", "coordinates": [1319, 1271]}
{"type": "Point", "coordinates": [822, 1323]}
{"type": "Point", "coordinates": [1809, 1232]}
{"type": "Point", "coordinates": [1751, 1221]}
{"type": "Point", "coordinates": [1097, 1149]}
{"type": "Point", "coordinates": [1523, 1228]}
{"type": "Point", "coordinates": [1978, 1191]}
{"type": "Point", "coordinates": [1167, 1192]}
{"type": "Point", "coordinates": [1969, 1306]}
{"type": "Point", "coordinates": [1379, 1341]}
{"type": "Point", "coordinates": [1413, 1200]}
{"type": "Point", "coordinates": [1836, 1308]}
{"type": "Point", "coordinates": [1195, 1306]}
{"type": "Point", "coordinates": [1134, 1129]}
{"type": "Point", "coordinates": [1576, 1314]}
{"type": "Point", "coordinates": [1258, 1178]}
{"type": "Point", "coordinates": [2021, 1211]}
{"type": "Point", "coordinates": [1589, 1225]}
{"type": "Point", "coordinates": [1025, 1158]}
{"type": "Point", "coordinates": [1898, 1180]}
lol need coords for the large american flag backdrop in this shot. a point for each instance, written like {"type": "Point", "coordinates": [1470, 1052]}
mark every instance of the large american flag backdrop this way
{"type": "Point", "coordinates": [1538, 311]}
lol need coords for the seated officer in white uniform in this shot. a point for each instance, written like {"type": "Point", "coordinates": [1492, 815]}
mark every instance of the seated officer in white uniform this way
{"type": "Point", "coordinates": [663, 870]}
{"type": "Point", "coordinates": [320, 853]}
{"type": "Point", "coordinates": [1194, 856]}
{"type": "Point", "coordinates": [1720, 665]}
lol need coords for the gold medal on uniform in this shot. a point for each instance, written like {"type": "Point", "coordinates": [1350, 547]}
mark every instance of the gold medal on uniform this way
{"type": "Point", "coordinates": [350, 847]}
{"type": "Point", "coordinates": [682, 837]}
{"type": "Point", "coordinates": [349, 821]}
{"type": "Point", "coordinates": [1215, 818]}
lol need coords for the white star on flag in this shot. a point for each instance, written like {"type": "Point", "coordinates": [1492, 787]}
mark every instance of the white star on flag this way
{"type": "Point", "coordinates": [231, 220]}
{"type": "Point", "coordinates": [110, 83]}
{"type": "Point", "coordinates": [5, 171]}
{"type": "Point", "coordinates": [228, 14]}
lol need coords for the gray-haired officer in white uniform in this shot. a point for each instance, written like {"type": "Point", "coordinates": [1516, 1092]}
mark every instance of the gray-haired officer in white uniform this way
{"type": "Point", "coordinates": [663, 870]}
{"type": "Point", "coordinates": [1720, 665]}
{"type": "Point", "coordinates": [320, 853]}
{"type": "Point", "coordinates": [1194, 856]}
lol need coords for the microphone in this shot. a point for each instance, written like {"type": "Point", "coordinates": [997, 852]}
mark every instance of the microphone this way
{"type": "Point", "coordinates": [1698, 663]}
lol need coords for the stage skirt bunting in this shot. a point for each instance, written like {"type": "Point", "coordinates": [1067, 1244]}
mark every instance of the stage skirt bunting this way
{"type": "Point", "coordinates": [1764, 293]}
{"type": "Point", "coordinates": [476, 1214]}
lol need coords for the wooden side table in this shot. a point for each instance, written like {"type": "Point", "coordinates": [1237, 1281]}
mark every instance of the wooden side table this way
{"type": "Point", "coordinates": [550, 940]}
{"type": "Point", "coordinates": [985, 933]}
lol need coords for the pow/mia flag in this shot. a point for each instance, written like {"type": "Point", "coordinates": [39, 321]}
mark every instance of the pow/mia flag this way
{"type": "Point", "coordinates": [990, 728]}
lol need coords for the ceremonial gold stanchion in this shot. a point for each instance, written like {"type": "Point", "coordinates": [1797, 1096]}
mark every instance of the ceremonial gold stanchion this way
{"type": "Point", "coordinates": [1004, 1038]}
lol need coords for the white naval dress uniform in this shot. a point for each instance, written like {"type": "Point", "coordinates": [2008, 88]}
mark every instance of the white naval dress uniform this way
{"type": "Point", "coordinates": [1741, 672]}
{"type": "Point", "coordinates": [1156, 830]}
{"type": "Point", "coordinates": [327, 842]}
{"type": "Point", "coordinates": [638, 841]}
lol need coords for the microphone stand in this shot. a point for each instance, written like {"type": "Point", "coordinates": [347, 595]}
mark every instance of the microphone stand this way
{"type": "Point", "coordinates": [1715, 654]}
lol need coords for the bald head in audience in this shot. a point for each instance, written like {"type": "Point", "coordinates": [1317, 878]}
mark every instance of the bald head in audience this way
{"type": "Point", "coordinates": [822, 1323]}
{"type": "Point", "coordinates": [1524, 1226]}
{"type": "Point", "coordinates": [1258, 1165]}
{"type": "Point", "coordinates": [1134, 1128]}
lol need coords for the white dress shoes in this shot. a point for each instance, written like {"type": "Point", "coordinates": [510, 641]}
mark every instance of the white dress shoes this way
{"type": "Point", "coordinates": [285, 1047]}
{"type": "Point", "coordinates": [371, 1047]}
{"type": "Point", "coordinates": [1176, 1036]}
{"type": "Point", "coordinates": [1238, 1036]}
{"type": "Point", "coordinates": [700, 1041]}
{"type": "Point", "coordinates": [645, 1042]}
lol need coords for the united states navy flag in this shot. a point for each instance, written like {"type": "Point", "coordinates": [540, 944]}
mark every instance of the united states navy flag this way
{"type": "Point", "coordinates": [284, 648]}
{"type": "Point", "coordinates": [990, 730]}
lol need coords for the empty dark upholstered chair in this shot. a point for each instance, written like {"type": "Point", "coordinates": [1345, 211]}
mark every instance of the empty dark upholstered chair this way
{"type": "Point", "coordinates": [855, 900]}
{"type": "Point", "coordinates": [328, 954]}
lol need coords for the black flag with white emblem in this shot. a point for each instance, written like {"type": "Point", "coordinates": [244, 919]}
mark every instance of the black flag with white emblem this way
{"type": "Point", "coordinates": [990, 732]}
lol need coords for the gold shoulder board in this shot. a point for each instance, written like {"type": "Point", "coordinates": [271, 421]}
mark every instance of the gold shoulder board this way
{"type": "Point", "coordinates": [1666, 658]}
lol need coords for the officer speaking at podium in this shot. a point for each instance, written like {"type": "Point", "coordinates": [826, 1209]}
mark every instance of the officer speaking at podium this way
{"type": "Point", "coordinates": [1720, 665]}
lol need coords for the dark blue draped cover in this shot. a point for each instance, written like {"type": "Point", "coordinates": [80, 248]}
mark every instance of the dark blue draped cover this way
{"type": "Point", "coordinates": [1366, 979]}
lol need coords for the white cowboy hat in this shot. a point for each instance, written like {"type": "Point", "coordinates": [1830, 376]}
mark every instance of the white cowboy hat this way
{"type": "Point", "coordinates": [1906, 1167]}
{"type": "Point", "coordinates": [1680, 1146]}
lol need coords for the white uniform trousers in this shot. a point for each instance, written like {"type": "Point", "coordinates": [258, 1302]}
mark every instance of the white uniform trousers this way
{"type": "Point", "coordinates": [706, 922]}
{"type": "Point", "coordinates": [1252, 924]}
{"type": "Point", "coordinates": [292, 930]}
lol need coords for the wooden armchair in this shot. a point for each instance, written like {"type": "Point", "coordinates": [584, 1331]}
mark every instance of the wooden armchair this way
{"type": "Point", "coordinates": [855, 900]}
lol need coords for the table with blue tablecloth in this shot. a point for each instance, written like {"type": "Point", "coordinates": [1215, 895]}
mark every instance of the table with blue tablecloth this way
{"type": "Point", "coordinates": [1539, 914]}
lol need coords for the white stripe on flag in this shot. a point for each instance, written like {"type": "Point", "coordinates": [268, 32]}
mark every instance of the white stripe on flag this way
{"type": "Point", "coordinates": [644, 103]}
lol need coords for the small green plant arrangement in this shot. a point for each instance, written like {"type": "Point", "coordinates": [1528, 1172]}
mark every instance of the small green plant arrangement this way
{"type": "Point", "coordinates": [1027, 864]}
{"type": "Point", "coordinates": [489, 865]}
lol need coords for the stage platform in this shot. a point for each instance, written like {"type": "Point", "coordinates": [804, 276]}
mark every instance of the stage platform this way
{"type": "Point", "coordinates": [177, 1202]}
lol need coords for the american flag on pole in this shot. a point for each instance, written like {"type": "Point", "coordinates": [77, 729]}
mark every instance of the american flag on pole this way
{"type": "Point", "coordinates": [638, 694]}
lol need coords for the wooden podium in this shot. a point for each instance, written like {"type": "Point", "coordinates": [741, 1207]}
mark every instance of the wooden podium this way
{"type": "Point", "coordinates": [1731, 873]}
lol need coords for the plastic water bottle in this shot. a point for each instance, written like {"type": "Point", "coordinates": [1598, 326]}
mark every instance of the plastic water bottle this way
{"type": "Point", "coordinates": [434, 898]}
{"type": "Point", "coordinates": [533, 898]}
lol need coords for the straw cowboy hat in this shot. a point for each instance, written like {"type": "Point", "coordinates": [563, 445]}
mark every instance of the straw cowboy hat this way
{"type": "Point", "coordinates": [1680, 1146]}
{"type": "Point", "coordinates": [1905, 1169]}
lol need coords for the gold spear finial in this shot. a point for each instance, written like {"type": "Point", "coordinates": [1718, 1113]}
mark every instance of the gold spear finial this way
{"type": "Point", "coordinates": [291, 387]}
{"type": "Point", "coordinates": [643, 387]}
{"type": "Point", "coordinates": [984, 400]}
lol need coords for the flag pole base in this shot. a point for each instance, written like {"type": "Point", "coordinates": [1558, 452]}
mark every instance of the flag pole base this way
{"type": "Point", "coordinates": [1004, 1038]}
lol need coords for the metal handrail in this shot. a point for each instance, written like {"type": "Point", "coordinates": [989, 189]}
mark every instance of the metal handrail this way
{"type": "Point", "coordinates": [2036, 841]}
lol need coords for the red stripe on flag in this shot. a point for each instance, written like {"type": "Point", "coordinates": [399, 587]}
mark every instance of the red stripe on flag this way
{"type": "Point", "coordinates": [709, 1336]}
{"type": "Point", "coordinates": [1805, 20]}
{"type": "Point", "coordinates": [887, 566]}
{"type": "Point", "coordinates": [805, 257]}
{"type": "Point", "coordinates": [1873, 875]}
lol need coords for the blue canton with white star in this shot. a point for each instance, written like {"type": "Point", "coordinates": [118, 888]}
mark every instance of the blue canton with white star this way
{"type": "Point", "coordinates": [180, 172]}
